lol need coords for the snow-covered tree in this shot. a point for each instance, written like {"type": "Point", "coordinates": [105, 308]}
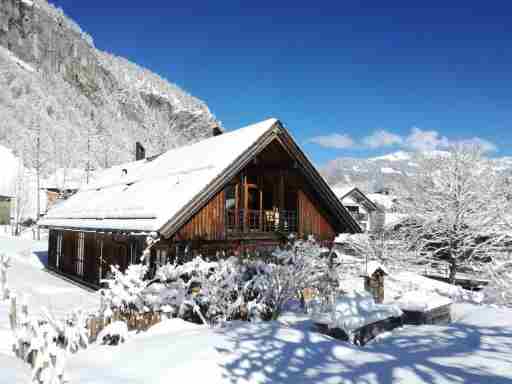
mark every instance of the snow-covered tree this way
{"type": "Point", "coordinates": [453, 203]}
{"type": "Point", "coordinates": [23, 195]}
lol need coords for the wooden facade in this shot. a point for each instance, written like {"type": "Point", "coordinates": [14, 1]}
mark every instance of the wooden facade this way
{"type": "Point", "coordinates": [89, 255]}
{"type": "Point", "coordinates": [311, 221]}
{"type": "Point", "coordinates": [208, 223]}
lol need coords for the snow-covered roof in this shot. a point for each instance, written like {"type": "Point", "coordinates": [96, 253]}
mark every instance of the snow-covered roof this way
{"type": "Point", "coordinates": [343, 190]}
{"type": "Point", "coordinates": [150, 193]}
{"type": "Point", "coordinates": [385, 201]}
{"type": "Point", "coordinates": [351, 195]}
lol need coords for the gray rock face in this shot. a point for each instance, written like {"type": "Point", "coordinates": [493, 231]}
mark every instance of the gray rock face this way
{"type": "Point", "coordinates": [54, 81]}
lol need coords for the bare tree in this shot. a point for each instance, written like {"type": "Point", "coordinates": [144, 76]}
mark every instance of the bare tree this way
{"type": "Point", "coordinates": [22, 196]}
{"type": "Point", "coordinates": [453, 204]}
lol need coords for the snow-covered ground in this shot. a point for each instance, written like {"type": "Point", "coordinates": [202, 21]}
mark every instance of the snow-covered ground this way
{"type": "Point", "coordinates": [477, 348]}
{"type": "Point", "coordinates": [30, 282]}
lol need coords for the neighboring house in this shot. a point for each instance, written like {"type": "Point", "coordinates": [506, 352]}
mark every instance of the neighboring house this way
{"type": "Point", "coordinates": [368, 214]}
{"type": "Point", "coordinates": [62, 184]}
{"type": "Point", "coordinates": [5, 209]}
{"type": "Point", "coordinates": [240, 191]}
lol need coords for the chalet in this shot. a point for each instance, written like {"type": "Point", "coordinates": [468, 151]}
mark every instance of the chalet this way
{"type": "Point", "coordinates": [235, 192]}
{"type": "Point", "coordinates": [367, 213]}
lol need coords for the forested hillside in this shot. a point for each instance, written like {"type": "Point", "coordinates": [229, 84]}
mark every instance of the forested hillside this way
{"type": "Point", "coordinates": [81, 105]}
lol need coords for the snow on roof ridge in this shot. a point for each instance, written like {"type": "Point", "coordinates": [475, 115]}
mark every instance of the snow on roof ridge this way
{"type": "Point", "coordinates": [342, 191]}
{"type": "Point", "coordinates": [130, 179]}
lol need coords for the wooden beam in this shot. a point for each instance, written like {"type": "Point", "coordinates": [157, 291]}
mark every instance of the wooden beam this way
{"type": "Point", "coordinates": [281, 191]}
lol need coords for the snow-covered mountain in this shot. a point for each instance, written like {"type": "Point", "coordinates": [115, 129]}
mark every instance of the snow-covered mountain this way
{"type": "Point", "coordinates": [375, 173]}
{"type": "Point", "coordinates": [85, 105]}
{"type": "Point", "coordinates": [370, 174]}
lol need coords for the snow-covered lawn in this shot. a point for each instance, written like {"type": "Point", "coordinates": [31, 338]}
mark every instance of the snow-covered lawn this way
{"type": "Point", "coordinates": [27, 277]}
{"type": "Point", "coordinates": [477, 348]}
{"type": "Point", "coordinates": [29, 281]}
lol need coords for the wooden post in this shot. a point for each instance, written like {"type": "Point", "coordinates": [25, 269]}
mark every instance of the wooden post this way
{"type": "Point", "coordinates": [261, 210]}
{"type": "Point", "coordinates": [246, 203]}
{"type": "Point", "coordinates": [281, 191]}
{"type": "Point", "coordinates": [12, 314]}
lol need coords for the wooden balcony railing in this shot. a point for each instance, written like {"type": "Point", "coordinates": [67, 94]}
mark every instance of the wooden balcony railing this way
{"type": "Point", "coordinates": [246, 220]}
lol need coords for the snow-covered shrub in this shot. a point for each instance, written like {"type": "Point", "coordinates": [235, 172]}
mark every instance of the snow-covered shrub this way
{"type": "Point", "coordinates": [125, 289]}
{"type": "Point", "coordinates": [113, 334]}
{"type": "Point", "coordinates": [233, 288]}
{"type": "Point", "coordinates": [4, 266]}
{"type": "Point", "coordinates": [293, 269]}
{"type": "Point", "coordinates": [46, 342]}
{"type": "Point", "coordinates": [499, 290]}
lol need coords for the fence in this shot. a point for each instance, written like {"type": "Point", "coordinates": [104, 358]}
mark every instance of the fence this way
{"type": "Point", "coordinates": [135, 321]}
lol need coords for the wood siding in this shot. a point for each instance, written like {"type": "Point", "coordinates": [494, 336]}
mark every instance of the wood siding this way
{"type": "Point", "coordinates": [311, 221]}
{"type": "Point", "coordinates": [208, 223]}
{"type": "Point", "coordinates": [100, 251]}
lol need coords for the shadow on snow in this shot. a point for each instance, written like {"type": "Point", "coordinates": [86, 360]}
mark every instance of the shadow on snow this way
{"type": "Point", "coordinates": [273, 353]}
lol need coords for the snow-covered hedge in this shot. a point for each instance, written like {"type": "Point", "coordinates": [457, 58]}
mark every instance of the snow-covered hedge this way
{"type": "Point", "coordinates": [214, 292]}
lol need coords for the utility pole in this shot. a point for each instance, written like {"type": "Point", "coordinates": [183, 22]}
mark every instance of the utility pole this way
{"type": "Point", "coordinates": [38, 170]}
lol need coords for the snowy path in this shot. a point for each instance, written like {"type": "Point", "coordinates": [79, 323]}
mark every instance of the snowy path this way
{"type": "Point", "coordinates": [475, 349]}
{"type": "Point", "coordinates": [27, 277]}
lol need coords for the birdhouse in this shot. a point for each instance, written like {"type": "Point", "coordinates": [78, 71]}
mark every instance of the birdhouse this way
{"type": "Point", "coordinates": [374, 280]}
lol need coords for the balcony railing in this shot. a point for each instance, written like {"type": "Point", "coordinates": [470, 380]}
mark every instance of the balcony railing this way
{"type": "Point", "coordinates": [246, 220]}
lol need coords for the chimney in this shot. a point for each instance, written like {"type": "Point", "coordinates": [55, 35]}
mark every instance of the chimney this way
{"type": "Point", "coordinates": [140, 152]}
{"type": "Point", "coordinates": [216, 131]}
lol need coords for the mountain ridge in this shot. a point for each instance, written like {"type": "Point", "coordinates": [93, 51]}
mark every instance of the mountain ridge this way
{"type": "Point", "coordinates": [385, 172]}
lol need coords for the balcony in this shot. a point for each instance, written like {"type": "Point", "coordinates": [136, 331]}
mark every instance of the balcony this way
{"type": "Point", "coordinates": [239, 221]}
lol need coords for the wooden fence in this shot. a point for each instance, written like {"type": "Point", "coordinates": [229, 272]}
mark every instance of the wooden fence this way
{"type": "Point", "coordinates": [135, 321]}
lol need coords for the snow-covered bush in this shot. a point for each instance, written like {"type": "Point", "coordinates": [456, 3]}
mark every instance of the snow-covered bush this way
{"type": "Point", "coordinates": [499, 290]}
{"type": "Point", "coordinates": [293, 269]}
{"type": "Point", "coordinates": [113, 334]}
{"type": "Point", "coordinates": [4, 266]}
{"type": "Point", "coordinates": [233, 288]}
{"type": "Point", "coordinates": [125, 289]}
{"type": "Point", "coordinates": [46, 342]}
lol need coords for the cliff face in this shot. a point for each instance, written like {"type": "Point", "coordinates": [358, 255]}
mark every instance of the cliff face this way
{"type": "Point", "coordinates": [56, 85]}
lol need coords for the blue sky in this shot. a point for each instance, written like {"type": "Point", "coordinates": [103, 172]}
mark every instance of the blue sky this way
{"type": "Point", "coordinates": [348, 78]}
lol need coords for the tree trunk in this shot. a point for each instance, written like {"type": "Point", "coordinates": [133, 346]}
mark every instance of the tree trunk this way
{"type": "Point", "coordinates": [453, 271]}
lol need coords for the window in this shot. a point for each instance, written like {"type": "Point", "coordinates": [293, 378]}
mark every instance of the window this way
{"type": "Point", "coordinates": [80, 254]}
{"type": "Point", "coordinates": [230, 197]}
{"type": "Point", "coordinates": [59, 250]}
{"type": "Point", "coordinates": [161, 257]}
{"type": "Point", "coordinates": [253, 199]}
